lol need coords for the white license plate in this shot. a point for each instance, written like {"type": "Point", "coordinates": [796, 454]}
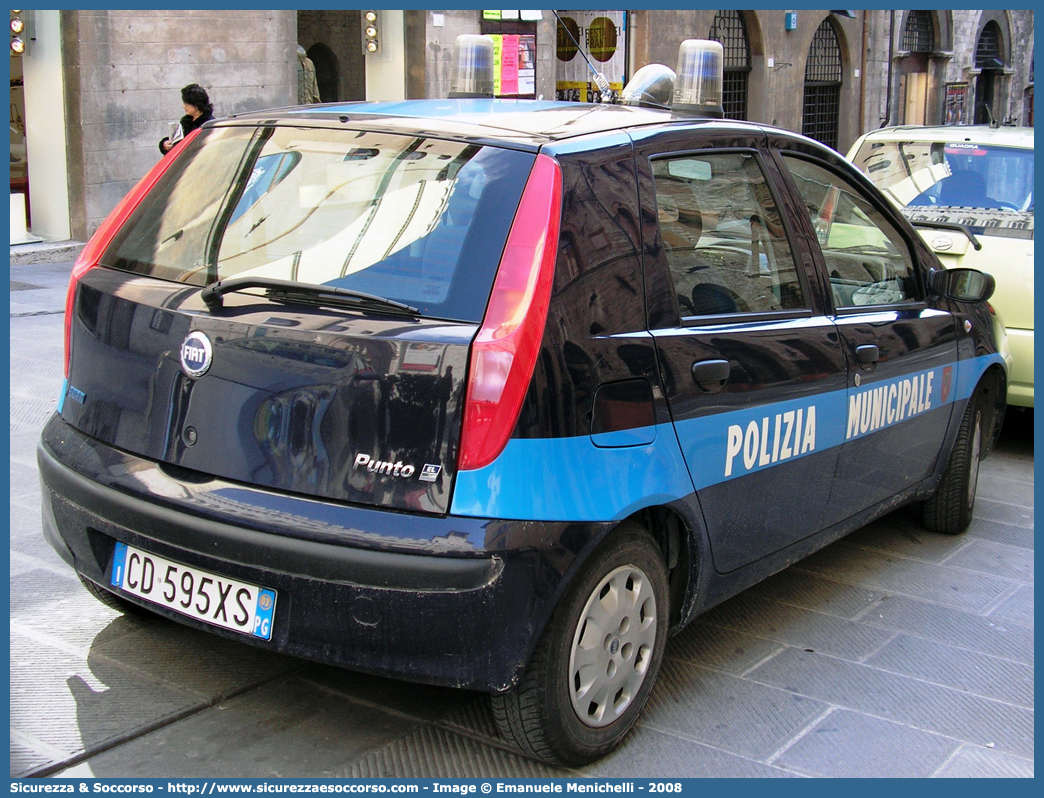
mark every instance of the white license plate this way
{"type": "Point", "coordinates": [217, 600]}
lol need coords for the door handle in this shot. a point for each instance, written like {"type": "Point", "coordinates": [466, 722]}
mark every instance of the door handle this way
{"type": "Point", "coordinates": [867, 355]}
{"type": "Point", "coordinates": [710, 375]}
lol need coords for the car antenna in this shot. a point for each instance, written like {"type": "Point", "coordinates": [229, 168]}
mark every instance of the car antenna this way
{"type": "Point", "coordinates": [599, 78]}
{"type": "Point", "coordinates": [989, 113]}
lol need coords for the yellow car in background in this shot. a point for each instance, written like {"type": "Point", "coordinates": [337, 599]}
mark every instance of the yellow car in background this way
{"type": "Point", "coordinates": [969, 190]}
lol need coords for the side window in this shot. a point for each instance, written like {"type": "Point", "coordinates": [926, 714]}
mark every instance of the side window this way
{"type": "Point", "coordinates": [723, 236]}
{"type": "Point", "coordinates": [866, 257]}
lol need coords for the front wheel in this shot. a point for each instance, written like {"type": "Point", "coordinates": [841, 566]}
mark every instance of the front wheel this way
{"type": "Point", "coordinates": [597, 661]}
{"type": "Point", "coordinates": [949, 510]}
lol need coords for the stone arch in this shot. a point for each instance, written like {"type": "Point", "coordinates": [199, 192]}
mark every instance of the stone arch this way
{"type": "Point", "coordinates": [942, 23]}
{"type": "Point", "coordinates": [1003, 23]}
{"type": "Point", "coordinates": [755, 35]}
{"type": "Point", "coordinates": [991, 66]}
{"type": "Point", "coordinates": [759, 72]}
{"type": "Point", "coordinates": [918, 32]}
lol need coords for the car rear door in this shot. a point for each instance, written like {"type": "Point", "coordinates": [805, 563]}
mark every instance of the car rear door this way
{"type": "Point", "coordinates": [752, 367]}
{"type": "Point", "coordinates": [900, 349]}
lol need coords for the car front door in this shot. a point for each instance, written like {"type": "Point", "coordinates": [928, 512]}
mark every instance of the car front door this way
{"type": "Point", "coordinates": [900, 350]}
{"type": "Point", "coordinates": [752, 367]}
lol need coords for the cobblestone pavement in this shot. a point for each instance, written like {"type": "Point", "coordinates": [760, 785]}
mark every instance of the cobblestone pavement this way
{"type": "Point", "coordinates": [894, 652]}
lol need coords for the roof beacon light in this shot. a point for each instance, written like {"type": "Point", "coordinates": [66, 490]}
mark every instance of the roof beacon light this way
{"type": "Point", "coordinates": [472, 67]}
{"type": "Point", "coordinates": [698, 88]}
{"type": "Point", "coordinates": [651, 87]}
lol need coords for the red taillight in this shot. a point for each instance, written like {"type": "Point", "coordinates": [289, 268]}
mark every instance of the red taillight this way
{"type": "Point", "coordinates": [79, 268]}
{"type": "Point", "coordinates": [505, 350]}
{"type": "Point", "coordinates": [102, 237]}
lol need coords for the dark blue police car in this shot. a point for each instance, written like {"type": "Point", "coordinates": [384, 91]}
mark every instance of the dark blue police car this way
{"type": "Point", "coordinates": [496, 394]}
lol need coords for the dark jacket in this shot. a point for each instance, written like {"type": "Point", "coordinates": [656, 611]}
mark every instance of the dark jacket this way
{"type": "Point", "coordinates": [188, 124]}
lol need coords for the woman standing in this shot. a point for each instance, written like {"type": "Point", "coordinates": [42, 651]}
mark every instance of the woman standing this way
{"type": "Point", "coordinates": [198, 110]}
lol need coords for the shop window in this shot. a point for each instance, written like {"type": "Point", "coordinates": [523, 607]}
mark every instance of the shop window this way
{"type": "Point", "coordinates": [602, 35]}
{"type": "Point", "coordinates": [514, 53]}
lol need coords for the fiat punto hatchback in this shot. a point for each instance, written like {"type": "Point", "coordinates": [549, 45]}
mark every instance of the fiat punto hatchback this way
{"type": "Point", "coordinates": [969, 190]}
{"type": "Point", "coordinates": [497, 394]}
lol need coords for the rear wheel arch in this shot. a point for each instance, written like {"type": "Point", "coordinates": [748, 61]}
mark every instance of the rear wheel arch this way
{"type": "Point", "coordinates": [950, 507]}
{"type": "Point", "coordinates": [679, 542]}
{"type": "Point", "coordinates": [992, 392]}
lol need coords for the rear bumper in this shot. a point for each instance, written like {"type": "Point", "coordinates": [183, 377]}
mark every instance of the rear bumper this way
{"type": "Point", "coordinates": [441, 600]}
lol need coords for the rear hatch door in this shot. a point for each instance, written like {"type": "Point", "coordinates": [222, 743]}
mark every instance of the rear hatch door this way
{"type": "Point", "coordinates": [280, 382]}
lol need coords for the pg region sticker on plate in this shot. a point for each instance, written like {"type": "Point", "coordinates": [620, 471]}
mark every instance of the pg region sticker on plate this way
{"type": "Point", "coordinates": [211, 598]}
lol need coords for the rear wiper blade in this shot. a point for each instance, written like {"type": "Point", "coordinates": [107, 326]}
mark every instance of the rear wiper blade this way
{"type": "Point", "coordinates": [342, 297]}
{"type": "Point", "coordinates": [287, 289]}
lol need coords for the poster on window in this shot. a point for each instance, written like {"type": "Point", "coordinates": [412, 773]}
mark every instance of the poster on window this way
{"type": "Point", "coordinates": [602, 35]}
{"type": "Point", "coordinates": [956, 99]}
{"type": "Point", "coordinates": [514, 65]}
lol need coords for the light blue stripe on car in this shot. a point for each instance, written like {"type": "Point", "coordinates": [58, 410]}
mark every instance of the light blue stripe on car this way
{"type": "Point", "coordinates": [572, 479]}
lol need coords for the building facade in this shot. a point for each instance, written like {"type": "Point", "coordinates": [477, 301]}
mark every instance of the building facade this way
{"type": "Point", "coordinates": [949, 67]}
{"type": "Point", "coordinates": [96, 90]}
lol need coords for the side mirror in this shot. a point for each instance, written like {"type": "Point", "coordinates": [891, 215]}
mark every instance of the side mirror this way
{"type": "Point", "coordinates": [963, 285]}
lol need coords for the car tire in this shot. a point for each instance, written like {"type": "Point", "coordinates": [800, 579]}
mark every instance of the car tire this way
{"type": "Point", "coordinates": [606, 638]}
{"type": "Point", "coordinates": [949, 510]}
{"type": "Point", "coordinates": [115, 602]}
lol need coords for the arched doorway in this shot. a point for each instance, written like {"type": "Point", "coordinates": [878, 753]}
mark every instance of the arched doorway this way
{"type": "Point", "coordinates": [822, 101]}
{"type": "Point", "coordinates": [918, 42]}
{"type": "Point", "coordinates": [989, 59]}
{"type": "Point", "coordinates": [729, 29]}
{"type": "Point", "coordinates": [326, 71]}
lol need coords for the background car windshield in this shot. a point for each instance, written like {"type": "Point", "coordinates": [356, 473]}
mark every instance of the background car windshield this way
{"type": "Point", "coordinates": [397, 216]}
{"type": "Point", "coordinates": [988, 188]}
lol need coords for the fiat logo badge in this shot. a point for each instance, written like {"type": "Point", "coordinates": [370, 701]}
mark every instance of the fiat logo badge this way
{"type": "Point", "coordinates": [942, 243]}
{"type": "Point", "coordinates": [196, 354]}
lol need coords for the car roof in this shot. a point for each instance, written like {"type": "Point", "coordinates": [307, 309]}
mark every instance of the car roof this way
{"type": "Point", "coordinates": [532, 122]}
{"type": "Point", "coordinates": [980, 134]}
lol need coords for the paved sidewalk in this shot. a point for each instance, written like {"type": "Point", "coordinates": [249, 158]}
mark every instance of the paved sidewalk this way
{"type": "Point", "coordinates": [894, 652]}
{"type": "Point", "coordinates": [45, 252]}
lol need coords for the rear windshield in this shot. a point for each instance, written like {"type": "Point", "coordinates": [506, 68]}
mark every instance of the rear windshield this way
{"type": "Point", "coordinates": [990, 189]}
{"type": "Point", "coordinates": [418, 220]}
